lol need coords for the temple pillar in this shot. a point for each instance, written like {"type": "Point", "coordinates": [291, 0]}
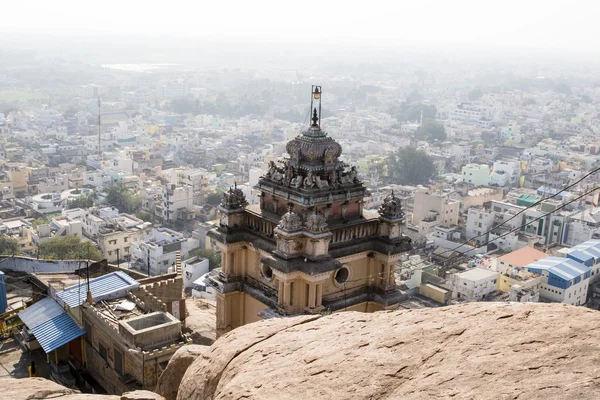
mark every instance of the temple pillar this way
{"type": "Point", "coordinates": [312, 300]}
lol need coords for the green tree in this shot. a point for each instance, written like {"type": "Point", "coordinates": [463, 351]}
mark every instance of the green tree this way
{"type": "Point", "coordinates": [214, 198]}
{"type": "Point", "coordinates": [409, 166]}
{"type": "Point", "coordinates": [214, 257]}
{"type": "Point", "coordinates": [414, 97]}
{"type": "Point", "coordinates": [184, 105]}
{"type": "Point", "coordinates": [121, 197]}
{"type": "Point", "coordinates": [9, 246]}
{"type": "Point", "coordinates": [529, 101]}
{"type": "Point", "coordinates": [145, 216]}
{"type": "Point", "coordinates": [69, 247]}
{"type": "Point", "coordinates": [85, 201]}
{"type": "Point", "coordinates": [475, 94]}
{"type": "Point", "coordinates": [412, 112]}
{"type": "Point", "coordinates": [431, 130]}
{"type": "Point", "coordinates": [586, 99]}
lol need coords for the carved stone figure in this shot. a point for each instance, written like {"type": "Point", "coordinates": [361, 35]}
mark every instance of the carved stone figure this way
{"type": "Point", "coordinates": [321, 184]}
{"type": "Point", "coordinates": [333, 179]}
{"type": "Point", "coordinates": [289, 174]}
{"type": "Point", "coordinates": [353, 175]}
{"type": "Point", "coordinates": [309, 181]}
{"type": "Point", "coordinates": [316, 223]}
{"type": "Point", "coordinates": [290, 222]}
{"type": "Point", "coordinates": [272, 169]}
{"type": "Point", "coordinates": [297, 182]}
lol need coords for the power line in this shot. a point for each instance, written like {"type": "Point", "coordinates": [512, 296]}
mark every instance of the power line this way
{"type": "Point", "coordinates": [528, 223]}
{"type": "Point", "coordinates": [467, 242]}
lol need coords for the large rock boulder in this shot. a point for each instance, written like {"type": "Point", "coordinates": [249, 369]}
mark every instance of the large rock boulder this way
{"type": "Point", "coordinates": [169, 380]}
{"type": "Point", "coordinates": [475, 351]}
{"type": "Point", "coordinates": [40, 388]}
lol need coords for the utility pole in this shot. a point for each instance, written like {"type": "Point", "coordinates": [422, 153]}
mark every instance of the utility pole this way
{"type": "Point", "coordinates": [148, 262]}
{"type": "Point", "coordinates": [117, 257]}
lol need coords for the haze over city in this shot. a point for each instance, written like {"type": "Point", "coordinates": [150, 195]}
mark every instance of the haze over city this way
{"type": "Point", "coordinates": [324, 200]}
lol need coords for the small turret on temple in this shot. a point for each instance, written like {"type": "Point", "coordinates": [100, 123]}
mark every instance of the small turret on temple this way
{"type": "Point", "coordinates": [309, 246]}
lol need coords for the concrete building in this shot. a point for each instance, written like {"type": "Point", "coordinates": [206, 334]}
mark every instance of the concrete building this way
{"type": "Point", "coordinates": [474, 284]}
{"type": "Point", "coordinates": [308, 246]}
{"type": "Point", "coordinates": [564, 280]}
{"type": "Point", "coordinates": [115, 232]}
{"type": "Point", "coordinates": [479, 222]}
{"type": "Point", "coordinates": [177, 204]}
{"type": "Point", "coordinates": [431, 210]}
{"type": "Point", "coordinates": [158, 253]}
{"type": "Point", "coordinates": [193, 268]}
{"type": "Point", "coordinates": [587, 253]}
{"type": "Point", "coordinates": [476, 174]}
{"type": "Point", "coordinates": [505, 173]}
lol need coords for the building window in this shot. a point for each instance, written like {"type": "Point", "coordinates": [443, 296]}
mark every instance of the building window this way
{"type": "Point", "coordinates": [118, 362]}
{"type": "Point", "coordinates": [266, 272]}
{"type": "Point", "coordinates": [102, 351]}
{"type": "Point", "coordinates": [342, 275]}
{"type": "Point", "coordinates": [125, 239]}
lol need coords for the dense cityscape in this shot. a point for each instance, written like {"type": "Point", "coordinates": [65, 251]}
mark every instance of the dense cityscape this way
{"type": "Point", "coordinates": [158, 205]}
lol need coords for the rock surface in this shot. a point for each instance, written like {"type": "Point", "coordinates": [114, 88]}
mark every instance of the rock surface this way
{"type": "Point", "coordinates": [468, 351]}
{"type": "Point", "coordinates": [169, 380]}
{"type": "Point", "coordinates": [40, 388]}
{"type": "Point", "coordinates": [201, 321]}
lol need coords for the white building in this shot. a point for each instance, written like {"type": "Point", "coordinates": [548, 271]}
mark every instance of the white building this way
{"type": "Point", "coordinates": [474, 284]}
{"type": "Point", "coordinates": [479, 222]}
{"type": "Point", "coordinates": [193, 269]}
{"type": "Point", "coordinates": [476, 174]}
{"type": "Point", "coordinates": [564, 280]}
{"type": "Point", "coordinates": [160, 251]}
{"type": "Point", "coordinates": [505, 173]}
{"type": "Point", "coordinates": [177, 203]}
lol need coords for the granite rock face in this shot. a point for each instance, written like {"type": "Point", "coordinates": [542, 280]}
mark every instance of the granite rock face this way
{"type": "Point", "coordinates": [474, 351]}
{"type": "Point", "coordinates": [40, 388]}
{"type": "Point", "coordinates": [169, 380]}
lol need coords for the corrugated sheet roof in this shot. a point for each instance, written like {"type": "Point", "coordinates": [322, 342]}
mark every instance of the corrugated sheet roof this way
{"type": "Point", "coordinates": [50, 324]}
{"type": "Point", "coordinates": [585, 251]}
{"type": "Point", "coordinates": [57, 332]}
{"type": "Point", "coordinates": [101, 288]}
{"type": "Point", "coordinates": [563, 267]}
{"type": "Point", "coordinates": [40, 312]}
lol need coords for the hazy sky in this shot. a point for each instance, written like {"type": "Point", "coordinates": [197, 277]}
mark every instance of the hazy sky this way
{"type": "Point", "coordinates": [558, 24]}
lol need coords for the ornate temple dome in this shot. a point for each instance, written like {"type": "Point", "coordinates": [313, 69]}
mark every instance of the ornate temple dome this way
{"type": "Point", "coordinates": [391, 207]}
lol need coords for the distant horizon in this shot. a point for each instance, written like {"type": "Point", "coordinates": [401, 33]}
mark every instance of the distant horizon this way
{"type": "Point", "coordinates": [551, 27]}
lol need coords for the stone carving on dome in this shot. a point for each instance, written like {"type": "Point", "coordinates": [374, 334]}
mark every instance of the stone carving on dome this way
{"type": "Point", "coordinates": [316, 223]}
{"type": "Point", "coordinates": [233, 199]}
{"type": "Point", "coordinates": [293, 149]}
{"type": "Point", "coordinates": [391, 207]}
{"type": "Point", "coordinates": [290, 222]}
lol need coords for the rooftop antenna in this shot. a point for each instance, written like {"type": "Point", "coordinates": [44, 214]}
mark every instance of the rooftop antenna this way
{"type": "Point", "coordinates": [99, 124]}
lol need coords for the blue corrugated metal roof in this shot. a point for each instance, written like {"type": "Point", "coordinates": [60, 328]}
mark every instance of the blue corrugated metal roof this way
{"type": "Point", "coordinates": [102, 288]}
{"type": "Point", "coordinates": [587, 252]}
{"type": "Point", "coordinates": [565, 268]}
{"type": "Point", "coordinates": [40, 312]}
{"type": "Point", "coordinates": [50, 324]}
{"type": "Point", "coordinates": [57, 332]}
